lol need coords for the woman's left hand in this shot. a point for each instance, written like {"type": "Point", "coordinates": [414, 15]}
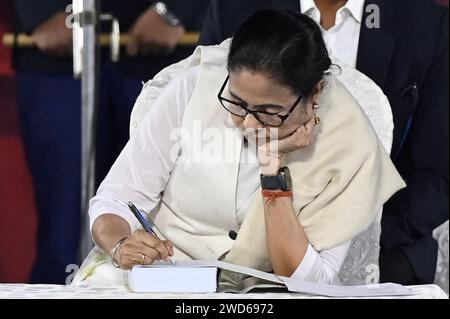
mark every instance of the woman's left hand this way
{"type": "Point", "coordinates": [270, 154]}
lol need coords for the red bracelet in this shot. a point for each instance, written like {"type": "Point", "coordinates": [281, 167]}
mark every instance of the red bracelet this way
{"type": "Point", "coordinates": [271, 195]}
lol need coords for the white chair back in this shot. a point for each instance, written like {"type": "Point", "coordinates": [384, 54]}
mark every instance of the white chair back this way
{"type": "Point", "coordinates": [361, 264]}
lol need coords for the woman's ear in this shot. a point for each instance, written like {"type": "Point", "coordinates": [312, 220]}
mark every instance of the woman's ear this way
{"type": "Point", "coordinates": [315, 95]}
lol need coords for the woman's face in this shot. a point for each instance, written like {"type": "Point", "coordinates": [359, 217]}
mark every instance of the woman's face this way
{"type": "Point", "coordinates": [258, 92]}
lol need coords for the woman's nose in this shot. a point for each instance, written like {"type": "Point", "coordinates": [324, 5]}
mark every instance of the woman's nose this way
{"type": "Point", "coordinates": [250, 122]}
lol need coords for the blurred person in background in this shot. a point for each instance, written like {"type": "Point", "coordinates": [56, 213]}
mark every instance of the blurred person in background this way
{"type": "Point", "coordinates": [49, 102]}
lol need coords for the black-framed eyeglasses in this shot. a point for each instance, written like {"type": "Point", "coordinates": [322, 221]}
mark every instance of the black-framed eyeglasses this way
{"type": "Point", "coordinates": [265, 118]}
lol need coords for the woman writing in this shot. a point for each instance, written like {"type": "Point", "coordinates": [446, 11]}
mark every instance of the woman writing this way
{"type": "Point", "coordinates": [255, 155]}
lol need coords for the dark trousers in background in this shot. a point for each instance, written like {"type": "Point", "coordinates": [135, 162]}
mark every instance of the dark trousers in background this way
{"type": "Point", "coordinates": [50, 116]}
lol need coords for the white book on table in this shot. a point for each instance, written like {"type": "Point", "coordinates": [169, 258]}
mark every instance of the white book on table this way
{"type": "Point", "coordinates": [199, 276]}
{"type": "Point", "coordinates": [184, 277]}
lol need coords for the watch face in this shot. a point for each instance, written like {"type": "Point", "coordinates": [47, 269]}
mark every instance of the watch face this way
{"type": "Point", "coordinates": [281, 181]}
{"type": "Point", "coordinates": [287, 177]}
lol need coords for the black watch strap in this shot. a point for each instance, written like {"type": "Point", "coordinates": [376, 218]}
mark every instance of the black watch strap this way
{"type": "Point", "coordinates": [281, 181]}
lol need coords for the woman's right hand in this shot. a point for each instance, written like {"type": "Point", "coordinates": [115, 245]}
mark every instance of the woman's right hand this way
{"type": "Point", "coordinates": [142, 248]}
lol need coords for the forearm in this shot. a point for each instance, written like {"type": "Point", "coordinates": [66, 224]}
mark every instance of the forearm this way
{"type": "Point", "coordinates": [286, 239]}
{"type": "Point", "coordinates": [108, 229]}
{"type": "Point", "coordinates": [32, 13]}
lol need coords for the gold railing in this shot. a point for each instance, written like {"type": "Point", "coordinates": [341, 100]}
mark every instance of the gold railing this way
{"type": "Point", "coordinates": [26, 41]}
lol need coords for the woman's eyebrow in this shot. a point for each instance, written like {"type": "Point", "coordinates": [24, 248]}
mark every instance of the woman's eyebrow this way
{"type": "Point", "coordinates": [236, 97]}
{"type": "Point", "coordinates": [264, 106]}
{"type": "Point", "coordinates": [270, 106]}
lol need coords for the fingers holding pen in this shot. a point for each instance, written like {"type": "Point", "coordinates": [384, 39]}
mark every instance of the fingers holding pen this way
{"type": "Point", "coordinates": [149, 239]}
{"type": "Point", "coordinates": [143, 248]}
{"type": "Point", "coordinates": [153, 245]}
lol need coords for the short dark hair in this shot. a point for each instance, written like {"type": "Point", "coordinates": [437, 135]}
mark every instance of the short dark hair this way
{"type": "Point", "coordinates": [284, 45]}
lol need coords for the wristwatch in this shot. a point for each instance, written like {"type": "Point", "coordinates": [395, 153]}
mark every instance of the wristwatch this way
{"type": "Point", "coordinates": [281, 181]}
{"type": "Point", "coordinates": [170, 18]}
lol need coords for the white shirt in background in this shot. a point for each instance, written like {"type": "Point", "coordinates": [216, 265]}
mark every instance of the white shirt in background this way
{"type": "Point", "coordinates": [342, 39]}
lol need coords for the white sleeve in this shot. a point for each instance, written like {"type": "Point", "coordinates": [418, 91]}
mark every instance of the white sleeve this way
{"type": "Point", "coordinates": [142, 170]}
{"type": "Point", "coordinates": [322, 267]}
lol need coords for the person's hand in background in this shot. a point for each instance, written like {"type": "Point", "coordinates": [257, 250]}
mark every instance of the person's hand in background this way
{"type": "Point", "coordinates": [53, 37]}
{"type": "Point", "coordinates": [152, 35]}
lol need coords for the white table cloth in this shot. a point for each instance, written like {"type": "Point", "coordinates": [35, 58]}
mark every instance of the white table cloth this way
{"type": "Point", "coordinates": [25, 291]}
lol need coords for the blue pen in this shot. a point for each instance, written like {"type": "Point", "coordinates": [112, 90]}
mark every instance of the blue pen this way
{"type": "Point", "coordinates": [143, 221]}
